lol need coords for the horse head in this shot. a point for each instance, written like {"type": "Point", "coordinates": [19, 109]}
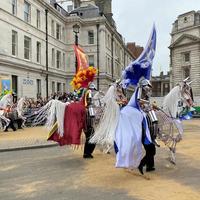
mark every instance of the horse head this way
{"type": "Point", "coordinates": [186, 92]}
{"type": "Point", "coordinates": [6, 100]}
{"type": "Point", "coordinates": [181, 92]}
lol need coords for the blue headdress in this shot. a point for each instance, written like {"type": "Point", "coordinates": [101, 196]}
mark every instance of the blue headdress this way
{"type": "Point", "coordinates": [141, 67]}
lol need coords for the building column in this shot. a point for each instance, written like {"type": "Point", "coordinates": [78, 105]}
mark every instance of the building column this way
{"type": "Point", "coordinates": [161, 89]}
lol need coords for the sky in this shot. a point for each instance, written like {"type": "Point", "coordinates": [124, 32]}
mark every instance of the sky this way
{"type": "Point", "coordinates": [134, 20]}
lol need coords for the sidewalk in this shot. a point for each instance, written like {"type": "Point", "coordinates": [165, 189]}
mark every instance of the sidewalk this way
{"type": "Point", "coordinates": [27, 138]}
{"type": "Point", "coordinates": [36, 137]}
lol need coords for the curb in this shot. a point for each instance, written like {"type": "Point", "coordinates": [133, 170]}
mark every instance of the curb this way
{"type": "Point", "coordinates": [28, 147]}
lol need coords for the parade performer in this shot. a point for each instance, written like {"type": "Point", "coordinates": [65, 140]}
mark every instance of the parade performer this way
{"type": "Point", "coordinates": [123, 126]}
{"type": "Point", "coordinates": [169, 117]}
{"type": "Point", "coordinates": [66, 121]}
{"type": "Point", "coordinates": [113, 100]}
{"type": "Point", "coordinates": [6, 100]}
{"type": "Point", "coordinates": [90, 114]}
{"type": "Point", "coordinates": [132, 119]}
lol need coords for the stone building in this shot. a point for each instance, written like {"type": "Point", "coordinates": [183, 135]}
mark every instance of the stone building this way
{"type": "Point", "coordinates": [23, 59]}
{"type": "Point", "coordinates": [135, 50]}
{"type": "Point", "coordinates": [36, 53]}
{"type": "Point", "coordinates": [185, 50]}
{"type": "Point", "coordinates": [100, 40]}
{"type": "Point", "coordinates": [160, 85]}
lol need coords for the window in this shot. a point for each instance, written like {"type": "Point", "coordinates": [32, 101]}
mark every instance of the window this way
{"type": "Point", "coordinates": [58, 31]}
{"type": "Point", "coordinates": [38, 53]}
{"type": "Point", "coordinates": [27, 47]}
{"type": "Point", "coordinates": [64, 87]}
{"type": "Point", "coordinates": [38, 88]}
{"type": "Point", "coordinates": [27, 12]}
{"type": "Point", "coordinates": [116, 49]}
{"type": "Point", "coordinates": [53, 57]}
{"type": "Point", "coordinates": [52, 28]}
{"type": "Point", "coordinates": [64, 61]}
{"type": "Point", "coordinates": [187, 57]}
{"type": "Point", "coordinates": [14, 43]}
{"type": "Point", "coordinates": [91, 60]}
{"type": "Point", "coordinates": [109, 65]}
{"type": "Point", "coordinates": [63, 34]}
{"type": "Point", "coordinates": [106, 38]}
{"type": "Point", "coordinates": [53, 87]}
{"type": "Point", "coordinates": [58, 59]}
{"type": "Point", "coordinates": [58, 87]}
{"type": "Point", "coordinates": [186, 72]}
{"type": "Point", "coordinates": [14, 7]}
{"type": "Point", "coordinates": [69, 8]}
{"type": "Point", "coordinates": [185, 19]}
{"type": "Point", "coordinates": [90, 37]}
{"type": "Point", "coordinates": [108, 42]}
{"type": "Point", "coordinates": [14, 83]}
{"type": "Point", "coordinates": [38, 19]}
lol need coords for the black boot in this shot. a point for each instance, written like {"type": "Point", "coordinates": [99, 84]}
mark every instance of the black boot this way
{"type": "Point", "coordinates": [149, 169]}
{"type": "Point", "coordinates": [140, 168]}
{"type": "Point", "coordinates": [87, 156]}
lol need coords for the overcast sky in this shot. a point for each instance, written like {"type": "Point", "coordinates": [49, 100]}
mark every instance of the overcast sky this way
{"type": "Point", "coordinates": [134, 20]}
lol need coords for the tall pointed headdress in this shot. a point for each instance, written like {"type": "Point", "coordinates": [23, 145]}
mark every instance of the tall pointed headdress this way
{"type": "Point", "coordinates": [141, 67]}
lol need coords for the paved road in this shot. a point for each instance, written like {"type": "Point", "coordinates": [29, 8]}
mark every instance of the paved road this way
{"type": "Point", "coordinates": [49, 174]}
{"type": "Point", "coordinates": [61, 174]}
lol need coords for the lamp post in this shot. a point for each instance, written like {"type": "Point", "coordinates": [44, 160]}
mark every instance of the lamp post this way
{"type": "Point", "coordinates": [47, 64]}
{"type": "Point", "coordinates": [76, 28]}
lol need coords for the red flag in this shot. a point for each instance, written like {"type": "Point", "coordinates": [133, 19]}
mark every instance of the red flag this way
{"type": "Point", "coordinates": [85, 73]}
{"type": "Point", "coordinates": [81, 58]}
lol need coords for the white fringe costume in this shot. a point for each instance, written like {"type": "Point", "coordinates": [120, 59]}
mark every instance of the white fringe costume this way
{"type": "Point", "coordinates": [105, 130]}
{"type": "Point", "coordinates": [54, 111]}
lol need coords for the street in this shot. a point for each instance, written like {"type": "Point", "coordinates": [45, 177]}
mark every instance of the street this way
{"type": "Point", "coordinates": [61, 173]}
{"type": "Point", "coordinates": [51, 173]}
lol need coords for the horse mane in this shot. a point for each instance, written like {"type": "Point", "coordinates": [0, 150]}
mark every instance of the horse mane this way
{"type": "Point", "coordinates": [170, 103]}
{"type": "Point", "coordinates": [6, 100]}
{"type": "Point", "coordinates": [20, 106]}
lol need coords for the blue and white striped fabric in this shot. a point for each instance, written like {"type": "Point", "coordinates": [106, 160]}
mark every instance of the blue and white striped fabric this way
{"type": "Point", "coordinates": [141, 67]}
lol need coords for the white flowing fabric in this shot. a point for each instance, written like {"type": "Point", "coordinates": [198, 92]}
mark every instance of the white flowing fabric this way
{"type": "Point", "coordinates": [6, 100]}
{"type": "Point", "coordinates": [53, 111]}
{"type": "Point", "coordinates": [105, 130]}
{"type": "Point", "coordinates": [128, 137]}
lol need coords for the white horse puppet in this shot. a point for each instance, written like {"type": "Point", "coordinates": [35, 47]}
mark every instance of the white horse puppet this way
{"type": "Point", "coordinates": [169, 127]}
{"type": "Point", "coordinates": [20, 110]}
{"type": "Point", "coordinates": [8, 100]}
{"type": "Point", "coordinates": [4, 102]}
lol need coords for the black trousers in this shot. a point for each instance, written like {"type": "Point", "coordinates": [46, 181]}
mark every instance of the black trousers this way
{"type": "Point", "coordinates": [11, 125]}
{"type": "Point", "coordinates": [148, 159]}
{"type": "Point", "coordinates": [89, 148]}
{"type": "Point", "coordinates": [19, 123]}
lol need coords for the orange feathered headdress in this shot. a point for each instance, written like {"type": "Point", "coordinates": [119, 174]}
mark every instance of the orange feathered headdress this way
{"type": "Point", "coordinates": [85, 73]}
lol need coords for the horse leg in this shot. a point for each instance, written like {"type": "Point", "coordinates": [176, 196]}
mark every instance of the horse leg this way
{"type": "Point", "coordinates": [173, 151]}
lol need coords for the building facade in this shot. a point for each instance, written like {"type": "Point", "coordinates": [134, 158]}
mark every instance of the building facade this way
{"type": "Point", "coordinates": [36, 46]}
{"type": "Point", "coordinates": [23, 58]}
{"type": "Point", "coordinates": [102, 43]}
{"type": "Point", "coordinates": [185, 50]}
{"type": "Point", "coordinates": [160, 85]}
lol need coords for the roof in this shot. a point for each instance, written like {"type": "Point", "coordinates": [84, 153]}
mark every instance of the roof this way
{"type": "Point", "coordinates": [88, 11]}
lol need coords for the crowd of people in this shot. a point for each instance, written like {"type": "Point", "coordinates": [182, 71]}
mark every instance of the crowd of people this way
{"type": "Point", "coordinates": [10, 119]}
{"type": "Point", "coordinates": [30, 107]}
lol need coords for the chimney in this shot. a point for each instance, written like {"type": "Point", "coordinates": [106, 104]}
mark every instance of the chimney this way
{"type": "Point", "coordinates": [105, 6]}
{"type": "Point", "coordinates": [86, 2]}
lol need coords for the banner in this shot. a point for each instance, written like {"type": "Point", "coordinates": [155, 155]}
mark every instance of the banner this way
{"type": "Point", "coordinates": [5, 85]}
